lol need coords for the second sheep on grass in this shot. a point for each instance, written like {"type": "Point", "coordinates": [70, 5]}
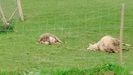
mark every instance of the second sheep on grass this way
{"type": "Point", "coordinates": [48, 38]}
{"type": "Point", "coordinates": [107, 44]}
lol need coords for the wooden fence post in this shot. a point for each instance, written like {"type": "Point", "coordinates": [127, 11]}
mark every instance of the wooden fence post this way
{"type": "Point", "coordinates": [3, 17]}
{"type": "Point", "coordinates": [121, 32]}
{"type": "Point", "coordinates": [20, 10]}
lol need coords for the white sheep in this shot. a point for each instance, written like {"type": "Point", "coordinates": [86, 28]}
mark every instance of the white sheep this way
{"type": "Point", "coordinates": [107, 43]}
{"type": "Point", "coordinates": [48, 38]}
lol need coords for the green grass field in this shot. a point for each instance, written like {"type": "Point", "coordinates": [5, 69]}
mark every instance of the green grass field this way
{"type": "Point", "coordinates": [77, 23]}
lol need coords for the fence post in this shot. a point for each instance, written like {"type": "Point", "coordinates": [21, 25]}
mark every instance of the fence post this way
{"type": "Point", "coordinates": [121, 32]}
{"type": "Point", "coordinates": [3, 17]}
{"type": "Point", "coordinates": [20, 10]}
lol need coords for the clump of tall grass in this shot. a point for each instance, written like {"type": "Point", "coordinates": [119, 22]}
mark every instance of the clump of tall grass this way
{"type": "Point", "coordinates": [6, 28]}
{"type": "Point", "coordinates": [105, 69]}
{"type": "Point", "coordinates": [109, 69]}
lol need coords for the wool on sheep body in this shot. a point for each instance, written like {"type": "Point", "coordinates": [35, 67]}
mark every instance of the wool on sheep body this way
{"type": "Point", "coordinates": [107, 43]}
{"type": "Point", "coordinates": [48, 38]}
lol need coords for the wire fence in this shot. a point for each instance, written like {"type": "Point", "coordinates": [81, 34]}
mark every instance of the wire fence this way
{"type": "Point", "coordinates": [8, 7]}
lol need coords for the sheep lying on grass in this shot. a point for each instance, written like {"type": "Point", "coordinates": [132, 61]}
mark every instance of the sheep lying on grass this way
{"type": "Point", "coordinates": [48, 38]}
{"type": "Point", "coordinates": [107, 44]}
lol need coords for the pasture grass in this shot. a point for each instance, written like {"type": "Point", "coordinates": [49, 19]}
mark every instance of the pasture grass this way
{"type": "Point", "coordinates": [77, 23]}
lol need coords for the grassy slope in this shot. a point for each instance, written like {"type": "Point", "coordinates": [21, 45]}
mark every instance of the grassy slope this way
{"type": "Point", "coordinates": [76, 22]}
